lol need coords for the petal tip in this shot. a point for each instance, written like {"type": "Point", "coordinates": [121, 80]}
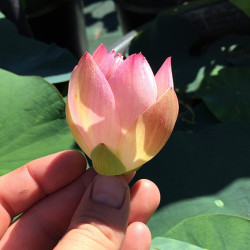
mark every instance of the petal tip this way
{"type": "Point", "coordinates": [101, 46]}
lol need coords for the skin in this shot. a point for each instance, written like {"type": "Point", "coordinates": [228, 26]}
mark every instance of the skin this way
{"type": "Point", "coordinates": [60, 200]}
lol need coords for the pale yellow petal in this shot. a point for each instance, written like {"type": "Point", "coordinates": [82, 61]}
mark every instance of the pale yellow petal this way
{"type": "Point", "coordinates": [78, 133]}
{"type": "Point", "coordinates": [146, 137]}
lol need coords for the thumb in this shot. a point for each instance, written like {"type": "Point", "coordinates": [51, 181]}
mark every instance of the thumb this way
{"type": "Point", "coordinates": [100, 221]}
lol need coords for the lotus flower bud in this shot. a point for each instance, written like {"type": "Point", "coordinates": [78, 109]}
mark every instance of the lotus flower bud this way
{"type": "Point", "coordinates": [119, 113]}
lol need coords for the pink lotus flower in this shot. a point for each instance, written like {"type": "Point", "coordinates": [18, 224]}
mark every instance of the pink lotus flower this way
{"type": "Point", "coordinates": [119, 113]}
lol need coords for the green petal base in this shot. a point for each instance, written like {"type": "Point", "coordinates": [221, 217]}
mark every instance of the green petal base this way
{"type": "Point", "coordinates": [105, 162]}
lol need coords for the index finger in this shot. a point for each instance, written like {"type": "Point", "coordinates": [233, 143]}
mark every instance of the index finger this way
{"type": "Point", "coordinates": [23, 187]}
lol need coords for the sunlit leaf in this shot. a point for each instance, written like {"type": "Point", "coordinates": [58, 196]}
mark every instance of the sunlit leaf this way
{"type": "Point", "coordinates": [234, 199]}
{"type": "Point", "coordinates": [32, 120]}
{"type": "Point", "coordinates": [218, 231]}
{"type": "Point", "coordinates": [161, 243]}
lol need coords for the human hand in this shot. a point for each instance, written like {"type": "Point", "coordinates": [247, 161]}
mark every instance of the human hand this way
{"type": "Point", "coordinates": [62, 202]}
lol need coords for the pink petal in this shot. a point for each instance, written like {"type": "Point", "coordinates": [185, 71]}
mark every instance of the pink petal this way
{"type": "Point", "coordinates": [164, 77]}
{"type": "Point", "coordinates": [92, 106]}
{"type": "Point", "coordinates": [107, 62]}
{"type": "Point", "coordinates": [99, 54]}
{"type": "Point", "coordinates": [134, 88]}
{"type": "Point", "coordinates": [117, 61]}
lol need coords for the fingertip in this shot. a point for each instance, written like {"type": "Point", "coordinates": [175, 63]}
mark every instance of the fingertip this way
{"type": "Point", "coordinates": [138, 236]}
{"type": "Point", "coordinates": [73, 159]}
{"type": "Point", "coordinates": [151, 187]}
{"type": "Point", "coordinates": [70, 155]}
{"type": "Point", "coordinates": [145, 199]}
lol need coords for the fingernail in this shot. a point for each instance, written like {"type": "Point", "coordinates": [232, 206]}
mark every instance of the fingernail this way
{"type": "Point", "coordinates": [108, 190]}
